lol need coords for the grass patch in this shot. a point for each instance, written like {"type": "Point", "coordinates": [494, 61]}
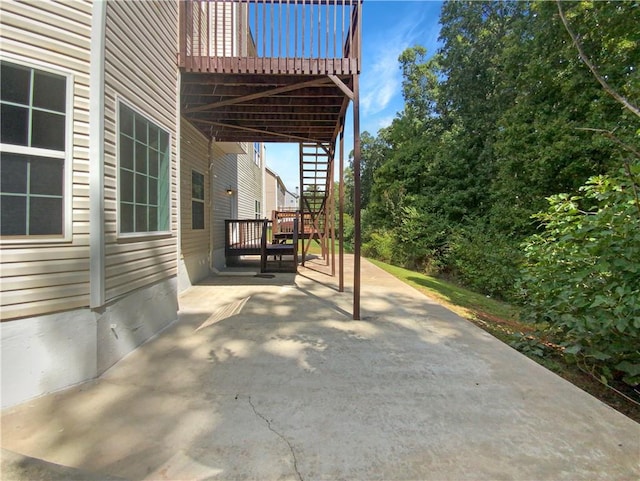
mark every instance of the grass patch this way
{"type": "Point", "coordinates": [463, 302]}
{"type": "Point", "coordinates": [534, 341]}
{"type": "Point", "coordinates": [314, 248]}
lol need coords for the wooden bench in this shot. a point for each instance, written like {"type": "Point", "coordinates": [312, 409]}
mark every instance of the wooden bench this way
{"type": "Point", "coordinates": [278, 248]}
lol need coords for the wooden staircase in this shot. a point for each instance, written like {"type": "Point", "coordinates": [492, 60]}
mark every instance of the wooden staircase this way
{"type": "Point", "coordinates": [316, 181]}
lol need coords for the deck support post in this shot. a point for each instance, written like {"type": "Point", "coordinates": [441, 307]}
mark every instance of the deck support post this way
{"type": "Point", "coordinates": [341, 217]}
{"type": "Point", "coordinates": [356, 198]}
{"type": "Point", "coordinates": [332, 212]}
{"type": "Point", "coordinates": [301, 199]}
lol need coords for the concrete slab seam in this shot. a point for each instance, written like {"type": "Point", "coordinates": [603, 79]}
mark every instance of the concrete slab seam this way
{"type": "Point", "coordinates": [280, 435]}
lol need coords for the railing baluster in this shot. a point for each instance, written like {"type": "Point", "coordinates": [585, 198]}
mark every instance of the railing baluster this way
{"type": "Point", "coordinates": [335, 17]}
{"type": "Point", "coordinates": [279, 28]}
{"type": "Point", "coordinates": [311, 41]}
{"type": "Point", "coordinates": [320, 29]}
{"type": "Point", "coordinates": [342, 39]}
{"type": "Point", "coordinates": [264, 28]}
{"type": "Point", "coordinates": [271, 51]}
{"type": "Point", "coordinates": [288, 28]}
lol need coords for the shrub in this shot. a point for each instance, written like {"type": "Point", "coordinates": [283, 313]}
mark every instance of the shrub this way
{"type": "Point", "coordinates": [380, 246]}
{"type": "Point", "coordinates": [485, 261]}
{"type": "Point", "coordinates": [422, 240]}
{"type": "Point", "coordinates": [582, 274]}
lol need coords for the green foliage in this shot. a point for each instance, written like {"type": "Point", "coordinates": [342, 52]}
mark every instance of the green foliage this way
{"type": "Point", "coordinates": [381, 245]}
{"type": "Point", "coordinates": [582, 273]}
{"type": "Point", "coordinates": [485, 260]}
{"type": "Point", "coordinates": [502, 117]}
{"type": "Point", "coordinates": [422, 240]}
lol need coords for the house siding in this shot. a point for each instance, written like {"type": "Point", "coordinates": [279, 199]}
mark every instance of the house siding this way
{"type": "Point", "coordinates": [250, 180]}
{"type": "Point", "coordinates": [45, 277]}
{"type": "Point", "coordinates": [224, 175]}
{"type": "Point", "coordinates": [270, 186]}
{"type": "Point", "coordinates": [141, 71]}
{"type": "Point", "coordinates": [194, 244]}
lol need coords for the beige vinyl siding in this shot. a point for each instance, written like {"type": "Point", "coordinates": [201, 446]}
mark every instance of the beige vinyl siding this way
{"type": "Point", "coordinates": [140, 71]}
{"type": "Point", "coordinates": [224, 175]}
{"type": "Point", "coordinates": [271, 184]}
{"type": "Point", "coordinates": [249, 184]}
{"type": "Point", "coordinates": [194, 155]}
{"type": "Point", "coordinates": [41, 278]}
{"type": "Point", "coordinates": [220, 35]}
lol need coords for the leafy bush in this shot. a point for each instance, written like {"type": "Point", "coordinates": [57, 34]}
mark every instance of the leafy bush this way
{"type": "Point", "coordinates": [422, 240]}
{"type": "Point", "coordinates": [485, 261]}
{"type": "Point", "coordinates": [380, 246]}
{"type": "Point", "coordinates": [582, 274]}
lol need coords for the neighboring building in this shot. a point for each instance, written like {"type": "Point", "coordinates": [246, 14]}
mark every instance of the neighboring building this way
{"type": "Point", "coordinates": [275, 191]}
{"type": "Point", "coordinates": [291, 200]}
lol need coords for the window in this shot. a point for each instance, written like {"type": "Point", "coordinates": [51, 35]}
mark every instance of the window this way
{"type": "Point", "coordinates": [258, 210]}
{"type": "Point", "coordinates": [143, 153]}
{"type": "Point", "coordinates": [256, 153]}
{"type": "Point", "coordinates": [34, 122]}
{"type": "Point", "coordinates": [197, 200]}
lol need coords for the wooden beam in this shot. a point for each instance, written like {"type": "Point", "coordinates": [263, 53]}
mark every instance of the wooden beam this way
{"type": "Point", "coordinates": [342, 86]}
{"type": "Point", "coordinates": [248, 129]}
{"type": "Point", "coordinates": [265, 93]}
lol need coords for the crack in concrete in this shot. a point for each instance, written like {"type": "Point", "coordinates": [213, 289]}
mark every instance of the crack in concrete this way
{"type": "Point", "coordinates": [280, 435]}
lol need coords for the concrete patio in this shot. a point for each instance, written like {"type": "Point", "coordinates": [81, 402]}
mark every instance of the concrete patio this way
{"type": "Point", "coordinates": [268, 378]}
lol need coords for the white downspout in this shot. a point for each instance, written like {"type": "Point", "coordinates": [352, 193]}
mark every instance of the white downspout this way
{"type": "Point", "coordinates": [96, 155]}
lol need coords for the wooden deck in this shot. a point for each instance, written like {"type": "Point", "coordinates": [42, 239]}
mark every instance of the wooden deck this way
{"type": "Point", "coordinates": [269, 70]}
{"type": "Point", "coordinates": [254, 237]}
{"type": "Point", "coordinates": [292, 37]}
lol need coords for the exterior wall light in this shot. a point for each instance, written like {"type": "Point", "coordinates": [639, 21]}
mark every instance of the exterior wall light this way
{"type": "Point", "coordinates": [229, 191]}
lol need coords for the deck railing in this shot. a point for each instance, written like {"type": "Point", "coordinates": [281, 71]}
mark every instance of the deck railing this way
{"type": "Point", "coordinates": [242, 235]}
{"type": "Point", "coordinates": [322, 32]}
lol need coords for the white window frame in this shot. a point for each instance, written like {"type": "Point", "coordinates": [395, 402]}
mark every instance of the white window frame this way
{"type": "Point", "coordinates": [258, 209]}
{"type": "Point", "coordinates": [132, 236]}
{"type": "Point", "coordinates": [257, 154]}
{"type": "Point", "coordinates": [67, 156]}
{"type": "Point", "coordinates": [199, 201]}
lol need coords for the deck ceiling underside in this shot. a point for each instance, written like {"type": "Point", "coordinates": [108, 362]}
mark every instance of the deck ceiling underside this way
{"type": "Point", "coordinates": [265, 108]}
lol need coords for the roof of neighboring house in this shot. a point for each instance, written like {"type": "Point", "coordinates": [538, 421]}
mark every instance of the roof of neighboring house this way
{"type": "Point", "coordinates": [277, 177]}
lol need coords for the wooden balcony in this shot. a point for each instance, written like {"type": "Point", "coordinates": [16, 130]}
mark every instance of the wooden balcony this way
{"type": "Point", "coordinates": [292, 37]}
{"type": "Point", "coordinates": [269, 70]}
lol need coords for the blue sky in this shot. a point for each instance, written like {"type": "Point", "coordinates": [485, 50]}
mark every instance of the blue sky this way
{"type": "Point", "coordinates": [388, 27]}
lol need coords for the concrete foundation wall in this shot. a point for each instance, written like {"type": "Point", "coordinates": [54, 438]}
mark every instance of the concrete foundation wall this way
{"type": "Point", "coordinates": [128, 322]}
{"type": "Point", "coordinates": [42, 354]}
{"type": "Point", "coordinates": [219, 260]}
{"type": "Point", "coordinates": [192, 269]}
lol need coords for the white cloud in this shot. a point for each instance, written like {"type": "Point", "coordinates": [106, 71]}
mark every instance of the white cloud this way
{"type": "Point", "coordinates": [381, 82]}
{"type": "Point", "coordinates": [385, 121]}
{"type": "Point", "coordinates": [381, 79]}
